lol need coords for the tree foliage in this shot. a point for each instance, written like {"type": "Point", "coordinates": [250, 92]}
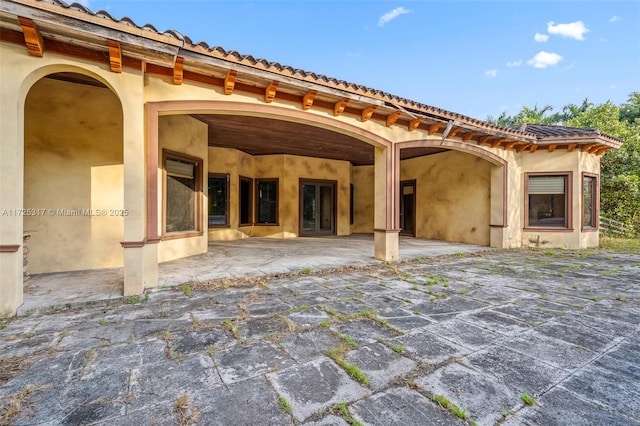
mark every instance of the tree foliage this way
{"type": "Point", "coordinates": [620, 169]}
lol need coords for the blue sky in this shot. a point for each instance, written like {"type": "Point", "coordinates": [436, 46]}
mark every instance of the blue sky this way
{"type": "Point", "coordinates": [477, 58]}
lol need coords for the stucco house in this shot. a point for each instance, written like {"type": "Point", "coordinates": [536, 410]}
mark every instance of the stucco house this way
{"type": "Point", "coordinates": [126, 147]}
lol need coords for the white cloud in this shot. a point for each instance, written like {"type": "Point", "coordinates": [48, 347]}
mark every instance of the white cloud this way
{"type": "Point", "coordinates": [541, 38]}
{"type": "Point", "coordinates": [574, 30]}
{"type": "Point", "coordinates": [514, 63]}
{"type": "Point", "coordinates": [544, 59]}
{"type": "Point", "coordinates": [390, 16]}
{"type": "Point", "coordinates": [612, 87]}
{"type": "Point", "coordinates": [615, 18]}
{"type": "Point", "coordinates": [491, 73]}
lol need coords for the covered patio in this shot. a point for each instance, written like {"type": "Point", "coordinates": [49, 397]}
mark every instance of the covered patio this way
{"type": "Point", "coordinates": [251, 257]}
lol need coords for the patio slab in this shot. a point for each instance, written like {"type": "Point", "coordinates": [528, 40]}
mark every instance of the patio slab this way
{"type": "Point", "coordinates": [251, 356]}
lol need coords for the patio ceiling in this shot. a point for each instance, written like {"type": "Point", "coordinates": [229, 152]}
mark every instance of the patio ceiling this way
{"type": "Point", "coordinates": [265, 136]}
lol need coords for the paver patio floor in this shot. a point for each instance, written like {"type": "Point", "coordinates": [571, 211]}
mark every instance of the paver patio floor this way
{"type": "Point", "coordinates": [378, 345]}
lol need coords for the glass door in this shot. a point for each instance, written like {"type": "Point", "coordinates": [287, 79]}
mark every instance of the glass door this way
{"type": "Point", "coordinates": [317, 208]}
{"type": "Point", "coordinates": [408, 208]}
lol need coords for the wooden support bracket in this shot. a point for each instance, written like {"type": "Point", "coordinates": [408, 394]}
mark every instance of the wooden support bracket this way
{"type": "Point", "coordinates": [230, 82]}
{"type": "Point", "coordinates": [523, 147]}
{"type": "Point", "coordinates": [571, 147]}
{"type": "Point", "coordinates": [434, 128]}
{"type": "Point", "coordinates": [414, 124]}
{"type": "Point", "coordinates": [32, 37]}
{"type": "Point", "coordinates": [552, 147]}
{"type": "Point", "coordinates": [393, 117]}
{"type": "Point", "coordinates": [270, 92]}
{"type": "Point", "coordinates": [339, 107]}
{"type": "Point", "coordinates": [178, 69]}
{"type": "Point", "coordinates": [115, 56]}
{"type": "Point", "coordinates": [307, 100]}
{"type": "Point", "coordinates": [496, 143]}
{"type": "Point", "coordinates": [453, 132]}
{"type": "Point", "coordinates": [468, 136]}
{"type": "Point", "coordinates": [484, 139]}
{"type": "Point", "coordinates": [367, 113]}
{"type": "Point", "coordinates": [533, 149]}
{"type": "Point", "coordinates": [510, 145]}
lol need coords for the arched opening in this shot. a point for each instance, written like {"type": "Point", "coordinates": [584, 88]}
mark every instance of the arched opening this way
{"type": "Point", "coordinates": [450, 191]}
{"type": "Point", "coordinates": [73, 173]}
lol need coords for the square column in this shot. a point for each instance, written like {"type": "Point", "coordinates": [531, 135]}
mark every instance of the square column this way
{"type": "Point", "coordinates": [386, 232]}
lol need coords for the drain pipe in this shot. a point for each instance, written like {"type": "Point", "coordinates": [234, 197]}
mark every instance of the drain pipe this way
{"type": "Point", "coordinates": [446, 131]}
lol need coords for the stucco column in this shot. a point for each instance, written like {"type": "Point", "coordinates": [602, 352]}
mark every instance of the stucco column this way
{"type": "Point", "coordinates": [140, 254]}
{"type": "Point", "coordinates": [386, 232]}
{"type": "Point", "coordinates": [11, 195]}
{"type": "Point", "coordinates": [498, 223]}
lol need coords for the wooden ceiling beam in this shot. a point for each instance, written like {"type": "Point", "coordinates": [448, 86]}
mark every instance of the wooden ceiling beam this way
{"type": "Point", "coordinates": [32, 37]}
{"type": "Point", "coordinates": [307, 100]}
{"type": "Point", "coordinates": [393, 117]}
{"type": "Point", "coordinates": [338, 107]}
{"type": "Point", "coordinates": [230, 82]}
{"type": "Point", "coordinates": [414, 124]}
{"type": "Point", "coordinates": [434, 128]}
{"type": "Point", "coordinates": [178, 70]}
{"type": "Point", "coordinates": [115, 56]}
{"type": "Point", "coordinates": [270, 92]}
{"type": "Point", "coordinates": [367, 113]}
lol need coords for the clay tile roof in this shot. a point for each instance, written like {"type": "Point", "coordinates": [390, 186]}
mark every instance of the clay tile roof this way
{"type": "Point", "coordinates": [545, 130]}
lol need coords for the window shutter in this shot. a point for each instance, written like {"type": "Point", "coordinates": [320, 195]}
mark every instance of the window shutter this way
{"type": "Point", "coordinates": [546, 185]}
{"type": "Point", "coordinates": [180, 169]}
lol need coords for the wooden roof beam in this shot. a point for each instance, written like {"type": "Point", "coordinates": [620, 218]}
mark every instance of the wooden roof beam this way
{"type": "Point", "coordinates": [453, 132]}
{"type": "Point", "coordinates": [115, 56]}
{"type": "Point", "coordinates": [414, 124]}
{"type": "Point", "coordinates": [587, 147]}
{"type": "Point", "coordinates": [510, 145]}
{"type": "Point", "coordinates": [533, 149]}
{"type": "Point", "coordinates": [434, 128]}
{"type": "Point", "coordinates": [32, 37]}
{"type": "Point", "coordinates": [468, 136]}
{"type": "Point", "coordinates": [497, 142]}
{"type": "Point", "coordinates": [393, 117]}
{"type": "Point", "coordinates": [230, 82]}
{"type": "Point", "coordinates": [552, 147]}
{"type": "Point", "coordinates": [367, 113]}
{"type": "Point", "coordinates": [308, 99]}
{"type": "Point", "coordinates": [523, 147]}
{"type": "Point", "coordinates": [270, 92]}
{"type": "Point", "coordinates": [178, 69]}
{"type": "Point", "coordinates": [484, 139]}
{"type": "Point", "coordinates": [339, 107]}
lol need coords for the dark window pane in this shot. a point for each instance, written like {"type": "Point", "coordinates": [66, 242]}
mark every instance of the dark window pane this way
{"type": "Point", "coordinates": [218, 209]}
{"type": "Point", "coordinates": [267, 202]}
{"type": "Point", "coordinates": [181, 204]}
{"type": "Point", "coordinates": [588, 200]}
{"type": "Point", "coordinates": [245, 201]}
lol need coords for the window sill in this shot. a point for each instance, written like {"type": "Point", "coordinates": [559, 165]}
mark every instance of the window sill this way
{"type": "Point", "coordinates": [219, 226]}
{"type": "Point", "coordinates": [266, 224]}
{"type": "Point", "coordinates": [590, 229]}
{"type": "Point", "coordinates": [541, 229]}
{"type": "Point", "coordinates": [178, 235]}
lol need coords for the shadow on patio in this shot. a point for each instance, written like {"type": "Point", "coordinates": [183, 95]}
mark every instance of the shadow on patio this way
{"type": "Point", "coordinates": [227, 259]}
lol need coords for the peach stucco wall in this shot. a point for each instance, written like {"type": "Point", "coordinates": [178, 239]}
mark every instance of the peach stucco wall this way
{"type": "Point", "coordinates": [452, 196]}
{"type": "Point", "coordinates": [73, 162]}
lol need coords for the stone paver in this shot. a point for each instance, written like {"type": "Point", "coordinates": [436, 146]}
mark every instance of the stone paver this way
{"type": "Point", "coordinates": [477, 330]}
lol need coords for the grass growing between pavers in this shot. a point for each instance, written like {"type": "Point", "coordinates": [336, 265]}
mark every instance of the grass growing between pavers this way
{"type": "Point", "coordinates": [187, 412]}
{"type": "Point", "coordinates": [337, 354]}
{"type": "Point", "coordinates": [342, 410]}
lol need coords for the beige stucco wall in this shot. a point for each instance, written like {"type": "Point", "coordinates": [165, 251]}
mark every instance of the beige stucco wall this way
{"type": "Point", "coordinates": [363, 189]}
{"type": "Point", "coordinates": [288, 170]}
{"type": "Point", "coordinates": [185, 135]}
{"type": "Point", "coordinates": [452, 196]}
{"type": "Point", "coordinates": [73, 164]}
{"type": "Point", "coordinates": [575, 163]}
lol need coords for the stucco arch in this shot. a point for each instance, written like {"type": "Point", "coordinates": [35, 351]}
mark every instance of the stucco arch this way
{"type": "Point", "coordinates": [498, 186]}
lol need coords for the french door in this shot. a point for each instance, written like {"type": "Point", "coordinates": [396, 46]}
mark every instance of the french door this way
{"type": "Point", "coordinates": [317, 207]}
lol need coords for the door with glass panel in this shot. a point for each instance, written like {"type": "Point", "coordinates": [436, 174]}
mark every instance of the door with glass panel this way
{"type": "Point", "coordinates": [408, 208]}
{"type": "Point", "coordinates": [317, 207]}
